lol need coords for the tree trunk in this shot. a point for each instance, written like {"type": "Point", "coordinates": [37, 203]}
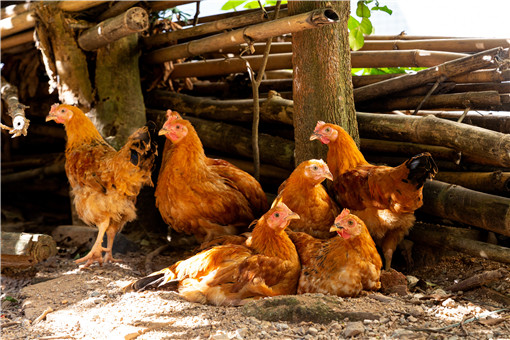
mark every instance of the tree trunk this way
{"type": "Point", "coordinates": [322, 78]}
{"type": "Point", "coordinates": [121, 108]}
{"type": "Point", "coordinates": [70, 74]}
{"type": "Point", "coordinates": [22, 249]}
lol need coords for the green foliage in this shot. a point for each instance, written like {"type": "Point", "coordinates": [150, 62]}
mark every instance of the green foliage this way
{"type": "Point", "coordinates": [248, 4]}
{"type": "Point", "coordinates": [384, 70]}
{"type": "Point", "coordinates": [359, 28]}
{"type": "Point", "coordinates": [11, 299]}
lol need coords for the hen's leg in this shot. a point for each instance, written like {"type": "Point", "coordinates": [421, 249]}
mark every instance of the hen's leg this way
{"type": "Point", "coordinates": [389, 244]}
{"type": "Point", "coordinates": [96, 253]}
{"type": "Point", "coordinates": [110, 234]}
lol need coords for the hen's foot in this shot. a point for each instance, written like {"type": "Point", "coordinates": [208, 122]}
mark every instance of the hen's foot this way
{"type": "Point", "coordinates": [94, 255]}
{"type": "Point", "coordinates": [108, 257]}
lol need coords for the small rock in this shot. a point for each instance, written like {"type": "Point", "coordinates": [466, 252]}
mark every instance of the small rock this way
{"type": "Point", "coordinates": [64, 302]}
{"type": "Point", "coordinates": [335, 326]}
{"type": "Point", "coordinates": [312, 331]}
{"type": "Point", "coordinates": [412, 281]}
{"type": "Point", "coordinates": [367, 321]}
{"type": "Point", "coordinates": [94, 294]}
{"type": "Point", "coordinates": [415, 311]}
{"type": "Point", "coordinates": [402, 333]}
{"type": "Point", "coordinates": [241, 333]}
{"type": "Point", "coordinates": [219, 335]}
{"type": "Point", "coordinates": [281, 326]}
{"type": "Point", "coordinates": [353, 329]}
{"type": "Point", "coordinates": [448, 303]}
{"type": "Point", "coordinates": [439, 292]}
{"type": "Point", "coordinates": [412, 319]}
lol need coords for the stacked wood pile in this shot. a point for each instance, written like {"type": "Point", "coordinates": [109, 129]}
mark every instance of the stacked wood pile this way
{"type": "Point", "coordinates": [456, 107]}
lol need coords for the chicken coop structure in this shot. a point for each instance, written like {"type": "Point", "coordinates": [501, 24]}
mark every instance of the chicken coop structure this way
{"type": "Point", "coordinates": [129, 61]}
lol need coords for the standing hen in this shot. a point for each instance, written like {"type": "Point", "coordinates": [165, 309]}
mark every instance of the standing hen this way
{"type": "Point", "coordinates": [199, 195]}
{"type": "Point", "coordinates": [230, 274]}
{"type": "Point", "coordinates": [342, 265]}
{"type": "Point", "coordinates": [304, 194]}
{"type": "Point", "coordinates": [384, 197]}
{"type": "Point", "coordinates": [104, 182]}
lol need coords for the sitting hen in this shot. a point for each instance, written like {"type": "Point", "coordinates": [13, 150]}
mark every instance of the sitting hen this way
{"type": "Point", "coordinates": [343, 265]}
{"type": "Point", "coordinates": [105, 182]}
{"type": "Point", "coordinates": [304, 194]}
{"type": "Point", "coordinates": [384, 197]}
{"type": "Point", "coordinates": [202, 196]}
{"type": "Point", "coordinates": [232, 273]}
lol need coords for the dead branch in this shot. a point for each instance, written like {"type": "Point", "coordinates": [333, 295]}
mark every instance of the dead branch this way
{"type": "Point", "coordinates": [15, 109]}
{"type": "Point", "coordinates": [478, 280]}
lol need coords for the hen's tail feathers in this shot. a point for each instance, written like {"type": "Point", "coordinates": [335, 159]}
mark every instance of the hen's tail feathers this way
{"type": "Point", "coordinates": [152, 281]}
{"type": "Point", "coordinates": [143, 147]}
{"type": "Point", "coordinates": [421, 167]}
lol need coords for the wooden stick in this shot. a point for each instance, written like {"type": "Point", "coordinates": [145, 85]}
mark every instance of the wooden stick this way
{"type": "Point", "coordinates": [257, 32]}
{"type": "Point", "coordinates": [133, 20]}
{"type": "Point", "coordinates": [16, 40]}
{"type": "Point", "coordinates": [479, 76]}
{"type": "Point", "coordinates": [496, 122]}
{"type": "Point", "coordinates": [453, 238]}
{"type": "Point", "coordinates": [23, 249]}
{"type": "Point", "coordinates": [16, 110]}
{"type": "Point", "coordinates": [462, 65]}
{"type": "Point", "coordinates": [209, 28]}
{"type": "Point", "coordinates": [496, 182]}
{"type": "Point", "coordinates": [116, 9]}
{"type": "Point", "coordinates": [478, 280]}
{"type": "Point", "coordinates": [404, 36]}
{"type": "Point", "coordinates": [49, 170]}
{"type": "Point", "coordinates": [470, 140]}
{"type": "Point", "coordinates": [408, 149]}
{"type": "Point", "coordinates": [484, 100]}
{"type": "Point", "coordinates": [412, 58]}
{"type": "Point", "coordinates": [449, 45]}
{"type": "Point", "coordinates": [18, 23]}
{"type": "Point", "coordinates": [13, 10]}
{"type": "Point", "coordinates": [157, 6]}
{"type": "Point", "coordinates": [76, 6]}
{"type": "Point", "coordinates": [471, 207]}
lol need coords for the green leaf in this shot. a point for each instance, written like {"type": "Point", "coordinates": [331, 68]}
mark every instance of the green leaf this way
{"type": "Point", "coordinates": [252, 4]}
{"type": "Point", "coordinates": [352, 23]}
{"type": "Point", "coordinates": [356, 39]}
{"type": "Point", "coordinates": [232, 4]}
{"type": "Point", "coordinates": [10, 298]}
{"type": "Point", "coordinates": [383, 9]}
{"type": "Point", "coordinates": [362, 10]}
{"type": "Point", "coordinates": [366, 26]}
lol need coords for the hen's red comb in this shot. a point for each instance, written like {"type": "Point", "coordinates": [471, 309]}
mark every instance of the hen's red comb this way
{"type": "Point", "coordinates": [172, 115]}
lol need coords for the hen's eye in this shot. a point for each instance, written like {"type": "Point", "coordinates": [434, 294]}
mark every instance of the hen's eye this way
{"type": "Point", "coordinates": [277, 215]}
{"type": "Point", "coordinates": [315, 168]}
{"type": "Point", "coordinates": [327, 129]}
{"type": "Point", "coordinates": [63, 110]}
{"type": "Point", "coordinates": [350, 222]}
{"type": "Point", "coordinates": [177, 126]}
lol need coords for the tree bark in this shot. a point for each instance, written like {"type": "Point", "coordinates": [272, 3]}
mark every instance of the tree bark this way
{"type": "Point", "coordinates": [322, 78]}
{"type": "Point", "coordinates": [471, 207]}
{"type": "Point", "coordinates": [470, 140]}
{"type": "Point", "coordinates": [451, 68]}
{"type": "Point", "coordinates": [71, 72]}
{"type": "Point", "coordinates": [120, 109]}
{"type": "Point", "coordinates": [24, 250]}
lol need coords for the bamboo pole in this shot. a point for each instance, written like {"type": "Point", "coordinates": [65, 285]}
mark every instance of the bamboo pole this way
{"type": "Point", "coordinates": [447, 237]}
{"type": "Point", "coordinates": [470, 140]}
{"type": "Point", "coordinates": [236, 140]}
{"type": "Point", "coordinates": [252, 33]}
{"type": "Point", "coordinates": [76, 6]}
{"type": "Point", "coordinates": [209, 28]}
{"type": "Point", "coordinates": [408, 149]}
{"type": "Point", "coordinates": [18, 39]}
{"type": "Point", "coordinates": [485, 100]}
{"type": "Point", "coordinates": [479, 76]}
{"type": "Point", "coordinates": [133, 20]}
{"type": "Point", "coordinates": [13, 10]}
{"type": "Point", "coordinates": [494, 122]}
{"type": "Point", "coordinates": [451, 87]}
{"type": "Point", "coordinates": [273, 109]}
{"type": "Point", "coordinates": [403, 36]}
{"type": "Point", "coordinates": [462, 65]}
{"type": "Point", "coordinates": [157, 6]}
{"type": "Point", "coordinates": [413, 58]}
{"type": "Point", "coordinates": [116, 9]}
{"type": "Point", "coordinates": [471, 207]}
{"type": "Point", "coordinates": [449, 45]}
{"type": "Point", "coordinates": [497, 182]}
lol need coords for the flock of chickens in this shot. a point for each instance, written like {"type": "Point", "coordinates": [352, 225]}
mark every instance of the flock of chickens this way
{"type": "Point", "coordinates": [311, 239]}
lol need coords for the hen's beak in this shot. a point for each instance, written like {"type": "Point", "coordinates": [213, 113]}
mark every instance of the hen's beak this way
{"type": "Point", "coordinates": [51, 116]}
{"type": "Point", "coordinates": [328, 175]}
{"type": "Point", "coordinates": [292, 216]}
{"type": "Point", "coordinates": [315, 135]}
{"type": "Point", "coordinates": [335, 227]}
{"type": "Point", "coordinates": [162, 132]}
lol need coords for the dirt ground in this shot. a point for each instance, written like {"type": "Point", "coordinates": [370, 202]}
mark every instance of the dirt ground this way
{"type": "Point", "coordinates": [57, 300]}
